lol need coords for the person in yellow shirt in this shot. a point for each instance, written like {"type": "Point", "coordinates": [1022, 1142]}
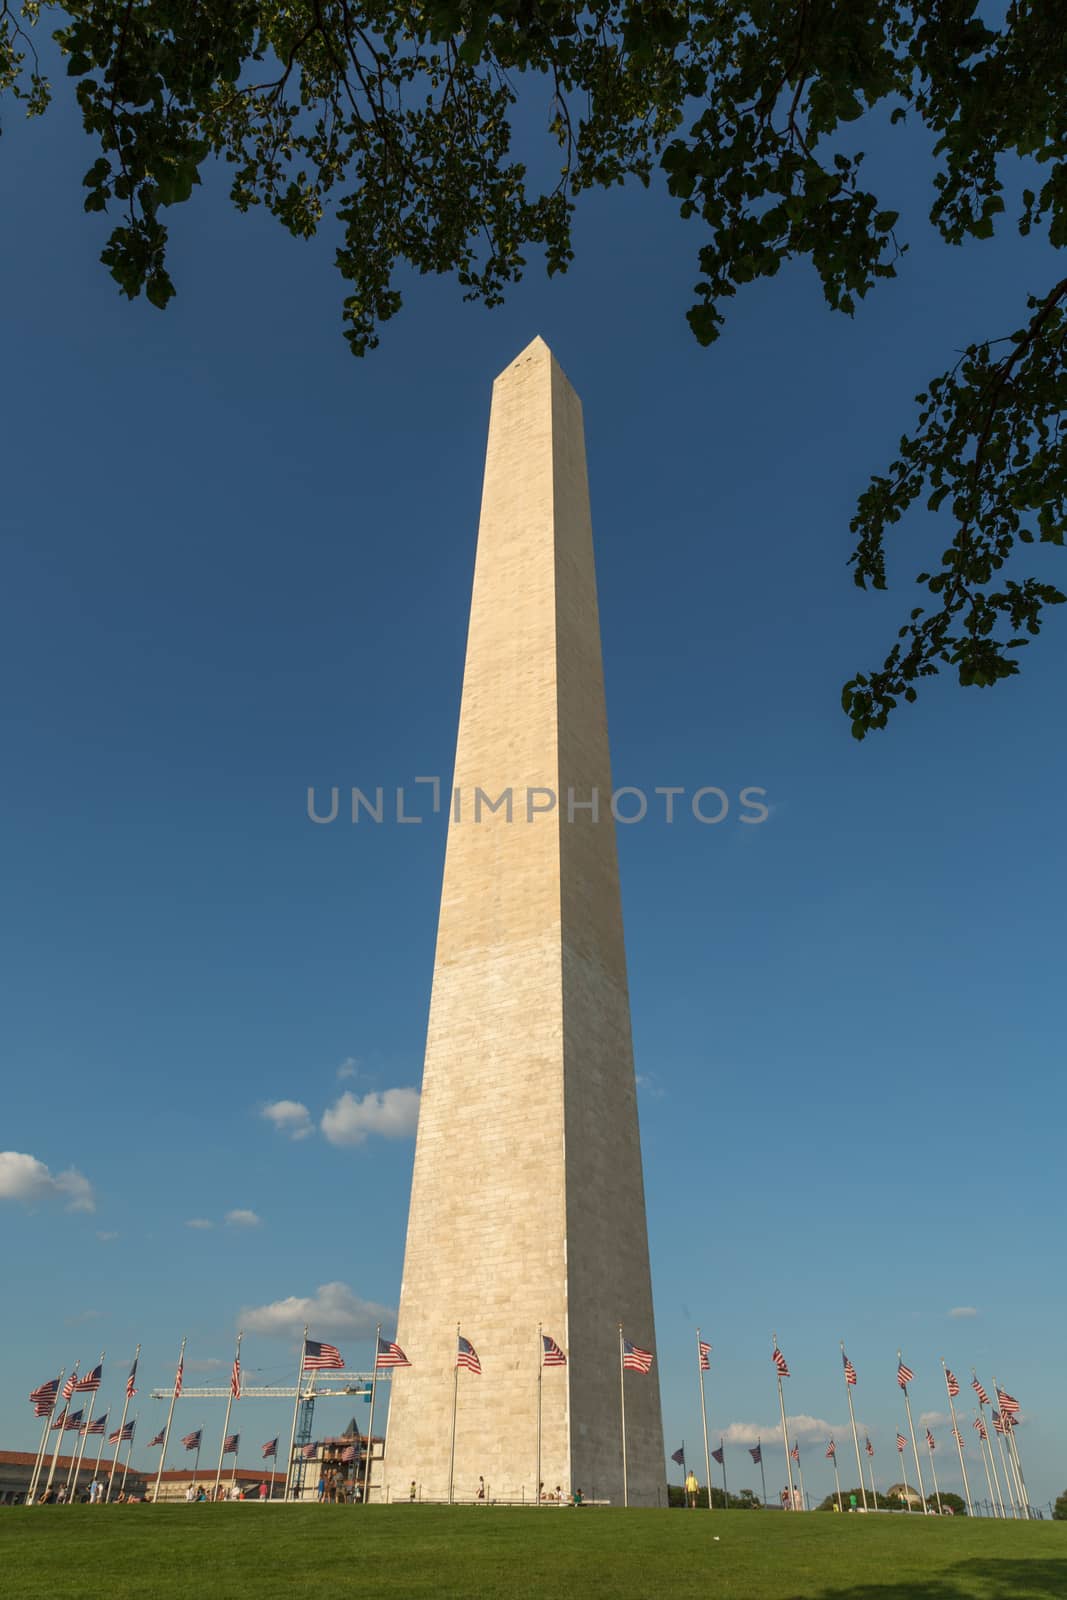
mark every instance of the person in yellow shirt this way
{"type": "Point", "coordinates": [691, 1489]}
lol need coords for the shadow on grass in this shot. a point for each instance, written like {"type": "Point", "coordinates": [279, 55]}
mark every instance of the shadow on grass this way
{"type": "Point", "coordinates": [993, 1579]}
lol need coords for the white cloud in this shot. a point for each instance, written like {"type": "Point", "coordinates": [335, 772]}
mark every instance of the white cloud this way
{"type": "Point", "coordinates": [933, 1419]}
{"type": "Point", "coordinates": [205, 1364]}
{"type": "Point", "coordinates": [800, 1427]}
{"type": "Point", "coordinates": [242, 1218]}
{"type": "Point", "coordinates": [963, 1311]}
{"type": "Point", "coordinates": [333, 1308]}
{"type": "Point", "coordinates": [199, 1222]}
{"type": "Point", "coordinates": [349, 1068]}
{"type": "Point", "coordinates": [289, 1116]}
{"type": "Point", "coordinates": [80, 1317]}
{"type": "Point", "coordinates": [23, 1177]}
{"type": "Point", "coordinates": [393, 1114]}
{"type": "Point", "coordinates": [106, 1238]}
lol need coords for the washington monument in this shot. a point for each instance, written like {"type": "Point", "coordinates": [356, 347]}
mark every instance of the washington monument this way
{"type": "Point", "coordinates": [527, 1201]}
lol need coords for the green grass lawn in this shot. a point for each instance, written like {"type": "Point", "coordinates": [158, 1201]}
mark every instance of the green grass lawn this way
{"type": "Point", "coordinates": [270, 1552]}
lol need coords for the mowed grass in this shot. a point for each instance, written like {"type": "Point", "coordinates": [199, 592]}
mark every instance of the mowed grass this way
{"type": "Point", "coordinates": [487, 1553]}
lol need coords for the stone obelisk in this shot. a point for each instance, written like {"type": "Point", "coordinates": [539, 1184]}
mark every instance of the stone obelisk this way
{"type": "Point", "coordinates": [527, 1203]}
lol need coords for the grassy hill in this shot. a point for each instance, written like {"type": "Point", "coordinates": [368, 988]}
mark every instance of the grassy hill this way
{"type": "Point", "coordinates": [275, 1552]}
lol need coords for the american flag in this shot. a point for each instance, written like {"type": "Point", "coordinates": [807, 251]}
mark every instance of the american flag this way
{"type": "Point", "coordinates": [904, 1375]}
{"type": "Point", "coordinates": [390, 1355]}
{"type": "Point", "coordinates": [270, 1450]}
{"type": "Point", "coordinates": [91, 1382]}
{"type": "Point", "coordinates": [679, 1456]}
{"type": "Point", "coordinates": [980, 1425]}
{"type": "Point", "coordinates": [705, 1355]}
{"type": "Point", "coordinates": [795, 1452]}
{"type": "Point", "coordinates": [901, 1443]}
{"type": "Point", "coordinates": [61, 1421]}
{"type": "Point", "coordinates": [131, 1380]}
{"type": "Point", "coordinates": [634, 1359]}
{"type": "Point", "coordinates": [73, 1422]}
{"type": "Point", "coordinates": [230, 1444]}
{"type": "Point", "coordinates": [160, 1436]}
{"type": "Point", "coordinates": [930, 1440]}
{"type": "Point", "coordinates": [235, 1378]}
{"type": "Point", "coordinates": [850, 1371]}
{"type": "Point", "coordinates": [191, 1441]}
{"type": "Point", "coordinates": [958, 1436]}
{"type": "Point", "coordinates": [716, 1455]}
{"type": "Point", "coordinates": [308, 1450]}
{"type": "Point", "coordinates": [123, 1435]}
{"type": "Point", "coordinates": [349, 1454]}
{"type": "Point", "coordinates": [779, 1360]}
{"type": "Point", "coordinates": [756, 1452]}
{"type": "Point", "coordinates": [97, 1426]}
{"type": "Point", "coordinates": [869, 1447]}
{"type": "Point", "coordinates": [831, 1450]}
{"type": "Point", "coordinates": [68, 1387]}
{"type": "Point", "coordinates": [1009, 1420]}
{"type": "Point", "coordinates": [553, 1355]}
{"type": "Point", "coordinates": [322, 1357]}
{"type": "Point", "coordinates": [43, 1398]}
{"type": "Point", "coordinates": [983, 1398]}
{"type": "Point", "coordinates": [1008, 1404]}
{"type": "Point", "coordinates": [998, 1422]}
{"type": "Point", "coordinates": [178, 1379]}
{"type": "Point", "coordinates": [467, 1356]}
{"type": "Point", "coordinates": [953, 1385]}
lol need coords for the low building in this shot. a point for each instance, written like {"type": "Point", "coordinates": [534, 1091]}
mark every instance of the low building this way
{"type": "Point", "coordinates": [16, 1472]}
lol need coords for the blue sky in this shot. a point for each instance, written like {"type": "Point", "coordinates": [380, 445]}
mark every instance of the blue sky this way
{"type": "Point", "coordinates": [238, 563]}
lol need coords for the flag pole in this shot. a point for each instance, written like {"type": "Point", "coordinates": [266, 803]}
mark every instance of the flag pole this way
{"type": "Point", "coordinates": [874, 1491]}
{"type": "Point", "coordinates": [540, 1364]}
{"type": "Point", "coordinates": [455, 1399]}
{"type": "Point", "coordinates": [762, 1474]}
{"type": "Point", "coordinates": [725, 1491]}
{"type": "Point", "coordinates": [100, 1452]}
{"type": "Point", "coordinates": [1013, 1454]}
{"type": "Point", "coordinates": [85, 1435]}
{"type": "Point", "coordinates": [855, 1435]}
{"type": "Point", "coordinates": [226, 1424]}
{"type": "Point", "coordinates": [622, 1402]}
{"type": "Point", "coordinates": [958, 1438]}
{"type": "Point", "coordinates": [63, 1416]}
{"type": "Point", "coordinates": [122, 1424]}
{"type": "Point", "coordinates": [296, 1410]}
{"type": "Point", "coordinates": [1014, 1448]}
{"type": "Point", "coordinates": [914, 1446]}
{"type": "Point", "coordinates": [837, 1484]}
{"type": "Point", "coordinates": [1004, 1466]}
{"type": "Point", "coordinates": [369, 1449]}
{"type": "Point", "coordinates": [989, 1482]}
{"type": "Point", "coordinates": [170, 1418]}
{"type": "Point", "coordinates": [800, 1475]}
{"type": "Point", "coordinates": [993, 1464]}
{"type": "Point", "coordinates": [1010, 1476]}
{"type": "Point", "coordinates": [129, 1453]}
{"type": "Point", "coordinates": [704, 1421]}
{"type": "Point", "coordinates": [933, 1473]}
{"type": "Point", "coordinates": [785, 1436]}
{"type": "Point", "coordinates": [38, 1465]}
{"type": "Point", "coordinates": [196, 1458]}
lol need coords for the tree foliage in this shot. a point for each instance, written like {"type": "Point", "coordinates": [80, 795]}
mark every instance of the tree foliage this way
{"type": "Point", "coordinates": [398, 119]}
{"type": "Point", "coordinates": [1059, 1510]}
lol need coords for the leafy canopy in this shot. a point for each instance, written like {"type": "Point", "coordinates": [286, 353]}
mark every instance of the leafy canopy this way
{"type": "Point", "coordinates": [398, 118]}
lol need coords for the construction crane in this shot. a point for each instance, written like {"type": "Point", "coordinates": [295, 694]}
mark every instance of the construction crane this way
{"type": "Point", "coordinates": [312, 1388]}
